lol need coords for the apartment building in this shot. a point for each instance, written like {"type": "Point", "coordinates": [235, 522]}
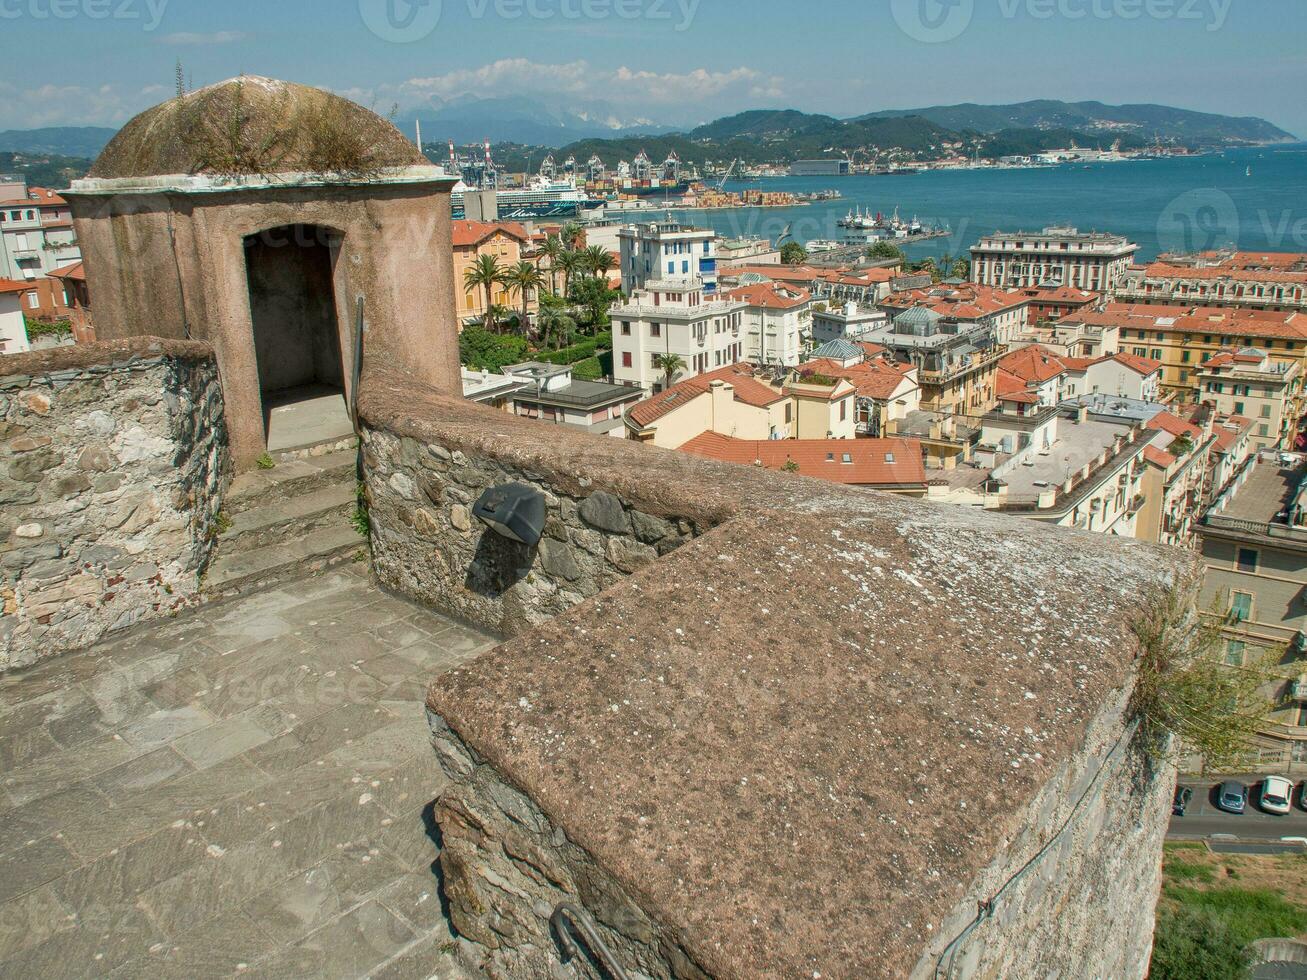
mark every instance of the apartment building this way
{"type": "Point", "coordinates": [887, 391]}
{"type": "Point", "coordinates": [1248, 383]}
{"type": "Point", "coordinates": [507, 242]}
{"type": "Point", "coordinates": [777, 322]}
{"type": "Point", "coordinates": [1002, 312]}
{"type": "Point", "coordinates": [1054, 257]}
{"type": "Point", "coordinates": [1253, 546]}
{"type": "Point", "coordinates": [730, 401]}
{"type": "Point", "coordinates": [549, 393]}
{"type": "Point", "coordinates": [1235, 283]}
{"type": "Point", "coordinates": [13, 327]}
{"type": "Point", "coordinates": [849, 322]}
{"type": "Point", "coordinates": [36, 231]}
{"type": "Point", "coordinates": [1174, 479]}
{"type": "Point", "coordinates": [1183, 338]}
{"type": "Point", "coordinates": [667, 252]}
{"type": "Point", "coordinates": [1049, 304]}
{"type": "Point", "coordinates": [673, 317]}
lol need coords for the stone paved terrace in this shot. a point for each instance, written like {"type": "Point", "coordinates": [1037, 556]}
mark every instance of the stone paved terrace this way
{"type": "Point", "coordinates": [242, 790]}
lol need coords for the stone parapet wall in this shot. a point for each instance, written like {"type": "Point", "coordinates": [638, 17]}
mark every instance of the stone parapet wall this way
{"type": "Point", "coordinates": [808, 739]}
{"type": "Point", "coordinates": [112, 460]}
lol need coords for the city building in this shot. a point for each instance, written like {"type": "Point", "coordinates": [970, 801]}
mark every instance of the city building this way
{"type": "Point", "coordinates": [552, 395]}
{"type": "Point", "coordinates": [849, 322]}
{"type": "Point", "coordinates": [74, 303]}
{"type": "Point", "coordinates": [36, 231]}
{"type": "Point", "coordinates": [1175, 480]}
{"type": "Point", "coordinates": [1054, 257]}
{"type": "Point", "coordinates": [1253, 545]}
{"type": "Point", "coordinates": [757, 251]}
{"type": "Point", "coordinates": [1242, 286]}
{"type": "Point", "coordinates": [892, 465]}
{"type": "Point", "coordinates": [1049, 304]}
{"type": "Point", "coordinates": [1001, 312]}
{"type": "Point", "coordinates": [887, 390]}
{"type": "Point", "coordinates": [1248, 383]}
{"type": "Point", "coordinates": [13, 326]}
{"type": "Point", "coordinates": [507, 242]}
{"type": "Point", "coordinates": [674, 317]}
{"type": "Point", "coordinates": [667, 252]}
{"type": "Point", "coordinates": [1074, 337]}
{"type": "Point", "coordinates": [730, 401]}
{"type": "Point", "coordinates": [1183, 338]}
{"type": "Point", "coordinates": [495, 390]}
{"type": "Point", "coordinates": [777, 322]}
{"type": "Point", "coordinates": [824, 407]}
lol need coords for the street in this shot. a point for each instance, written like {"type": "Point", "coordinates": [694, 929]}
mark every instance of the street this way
{"type": "Point", "coordinates": [1205, 819]}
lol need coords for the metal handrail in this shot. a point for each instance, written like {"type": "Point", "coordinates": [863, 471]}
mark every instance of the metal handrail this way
{"type": "Point", "coordinates": [568, 915]}
{"type": "Point", "coordinates": [356, 372]}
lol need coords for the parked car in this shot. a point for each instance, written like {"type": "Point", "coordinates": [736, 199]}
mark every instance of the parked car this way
{"type": "Point", "coordinates": [1274, 794]}
{"type": "Point", "coordinates": [1302, 796]}
{"type": "Point", "coordinates": [1232, 797]}
{"type": "Point", "coordinates": [1183, 796]}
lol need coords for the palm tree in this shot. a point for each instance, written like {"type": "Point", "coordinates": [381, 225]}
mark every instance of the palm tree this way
{"type": "Point", "coordinates": [554, 322]}
{"type": "Point", "coordinates": [522, 279]}
{"type": "Point", "coordinates": [571, 263]}
{"type": "Point", "coordinates": [671, 365]}
{"type": "Point", "coordinates": [485, 273]}
{"type": "Point", "coordinates": [572, 231]}
{"type": "Point", "coordinates": [598, 260]}
{"type": "Point", "coordinates": [552, 249]}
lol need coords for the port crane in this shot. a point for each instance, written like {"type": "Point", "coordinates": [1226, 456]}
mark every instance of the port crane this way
{"type": "Point", "coordinates": [721, 185]}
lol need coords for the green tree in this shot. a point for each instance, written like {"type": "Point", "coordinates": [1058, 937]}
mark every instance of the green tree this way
{"type": "Point", "coordinates": [571, 234]}
{"type": "Point", "coordinates": [522, 279]}
{"type": "Point", "coordinates": [598, 261]}
{"type": "Point", "coordinates": [482, 350]}
{"type": "Point", "coordinates": [792, 253]}
{"type": "Point", "coordinates": [571, 263]}
{"type": "Point", "coordinates": [884, 250]}
{"type": "Point", "coordinates": [552, 250]}
{"type": "Point", "coordinates": [1188, 943]}
{"type": "Point", "coordinates": [671, 365]}
{"type": "Point", "coordinates": [485, 273]}
{"type": "Point", "coordinates": [556, 325]}
{"type": "Point", "coordinates": [593, 294]}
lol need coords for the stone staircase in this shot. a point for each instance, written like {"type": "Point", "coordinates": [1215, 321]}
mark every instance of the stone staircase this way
{"type": "Point", "coordinates": [291, 518]}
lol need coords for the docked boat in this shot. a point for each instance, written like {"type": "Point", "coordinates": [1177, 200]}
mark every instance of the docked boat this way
{"type": "Point", "coordinates": [542, 198]}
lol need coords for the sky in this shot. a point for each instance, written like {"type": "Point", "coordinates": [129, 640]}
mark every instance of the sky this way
{"type": "Point", "coordinates": [673, 62]}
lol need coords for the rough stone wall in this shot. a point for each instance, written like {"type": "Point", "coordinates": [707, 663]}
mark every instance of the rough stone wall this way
{"type": "Point", "coordinates": [1085, 905]}
{"type": "Point", "coordinates": [427, 545]}
{"type": "Point", "coordinates": [111, 466]}
{"type": "Point", "coordinates": [1084, 908]}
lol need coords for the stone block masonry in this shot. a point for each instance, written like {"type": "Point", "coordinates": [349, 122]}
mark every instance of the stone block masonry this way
{"type": "Point", "coordinates": [812, 738]}
{"type": "Point", "coordinates": [112, 460]}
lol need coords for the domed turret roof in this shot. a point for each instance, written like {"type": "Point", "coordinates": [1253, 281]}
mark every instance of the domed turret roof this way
{"type": "Point", "coordinates": [254, 125]}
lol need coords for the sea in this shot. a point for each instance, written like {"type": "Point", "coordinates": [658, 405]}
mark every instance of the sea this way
{"type": "Point", "coordinates": [1251, 198]}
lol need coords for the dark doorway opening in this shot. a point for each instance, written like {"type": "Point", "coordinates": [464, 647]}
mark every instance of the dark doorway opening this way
{"type": "Point", "coordinates": [297, 335]}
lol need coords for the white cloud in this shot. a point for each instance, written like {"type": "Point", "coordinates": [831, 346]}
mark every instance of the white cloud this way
{"type": "Point", "coordinates": [69, 105]}
{"type": "Point", "coordinates": [189, 39]}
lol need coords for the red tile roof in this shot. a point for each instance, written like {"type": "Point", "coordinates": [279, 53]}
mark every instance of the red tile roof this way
{"type": "Point", "coordinates": [14, 286]}
{"type": "Point", "coordinates": [748, 390]}
{"type": "Point", "coordinates": [469, 233]}
{"type": "Point", "coordinates": [1010, 388]}
{"type": "Point", "coordinates": [1159, 458]}
{"type": "Point", "coordinates": [44, 196]}
{"type": "Point", "coordinates": [1140, 365]}
{"type": "Point", "coordinates": [75, 271]}
{"type": "Point", "coordinates": [1176, 426]}
{"type": "Point", "coordinates": [776, 296]}
{"type": "Point", "coordinates": [870, 459]}
{"type": "Point", "coordinates": [876, 378]}
{"type": "Point", "coordinates": [1033, 365]}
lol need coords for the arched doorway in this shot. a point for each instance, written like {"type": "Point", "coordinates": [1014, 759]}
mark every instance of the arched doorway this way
{"type": "Point", "coordinates": [301, 344]}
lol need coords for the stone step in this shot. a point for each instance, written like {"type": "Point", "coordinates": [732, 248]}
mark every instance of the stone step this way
{"type": "Point", "coordinates": [291, 478]}
{"type": "Point", "coordinates": [245, 571]}
{"type": "Point", "coordinates": [281, 519]}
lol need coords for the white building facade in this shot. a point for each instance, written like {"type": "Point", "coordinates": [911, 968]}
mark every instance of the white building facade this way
{"type": "Point", "coordinates": [1089, 260]}
{"type": "Point", "coordinates": [668, 252]}
{"type": "Point", "coordinates": [675, 318]}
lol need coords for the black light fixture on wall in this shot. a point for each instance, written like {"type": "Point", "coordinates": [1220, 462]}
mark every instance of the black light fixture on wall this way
{"type": "Point", "coordinates": [514, 511]}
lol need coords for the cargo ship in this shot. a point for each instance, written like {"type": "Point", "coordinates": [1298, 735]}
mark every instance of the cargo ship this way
{"type": "Point", "coordinates": [542, 198]}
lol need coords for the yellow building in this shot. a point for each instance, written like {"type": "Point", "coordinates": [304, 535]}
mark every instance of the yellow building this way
{"type": "Point", "coordinates": [508, 242]}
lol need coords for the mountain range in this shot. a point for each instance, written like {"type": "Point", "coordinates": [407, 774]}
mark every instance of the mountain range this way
{"type": "Point", "coordinates": [468, 120]}
{"type": "Point", "coordinates": [68, 141]}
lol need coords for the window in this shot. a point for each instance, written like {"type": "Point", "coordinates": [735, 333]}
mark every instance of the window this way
{"type": "Point", "coordinates": [33, 301]}
{"type": "Point", "coordinates": [1266, 411]}
{"type": "Point", "coordinates": [1248, 559]}
{"type": "Point", "coordinates": [1184, 357]}
{"type": "Point", "coordinates": [1241, 606]}
{"type": "Point", "coordinates": [1157, 354]}
{"type": "Point", "coordinates": [626, 359]}
{"type": "Point", "coordinates": [626, 328]}
{"type": "Point", "coordinates": [1263, 430]}
{"type": "Point", "coordinates": [655, 330]}
{"type": "Point", "coordinates": [1238, 408]}
{"type": "Point", "coordinates": [1234, 651]}
{"type": "Point", "coordinates": [889, 457]}
{"type": "Point", "coordinates": [1302, 716]}
{"type": "Point", "coordinates": [789, 413]}
{"type": "Point", "coordinates": [844, 410]}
